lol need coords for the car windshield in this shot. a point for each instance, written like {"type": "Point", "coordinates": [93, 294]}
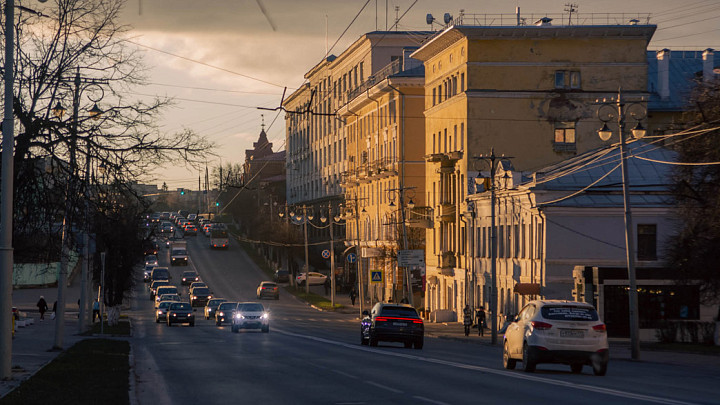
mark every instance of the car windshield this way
{"type": "Point", "coordinates": [214, 303]}
{"type": "Point", "coordinates": [165, 304]}
{"type": "Point", "coordinates": [227, 305]}
{"type": "Point", "coordinates": [569, 313]}
{"type": "Point", "coordinates": [399, 311]}
{"type": "Point", "coordinates": [160, 284]}
{"type": "Point", "coordinates": [201, 290]}
{"type": "Point", "coordinates": [179, 251]}
{"type": "Point", "coordinates": [269, 285]}
{"type": "Point", "coordinates": [180, 305]}
{"type": "Point", "coordinates": [190, 274]}
{"type": "Point", "coordinates": [251, 307]}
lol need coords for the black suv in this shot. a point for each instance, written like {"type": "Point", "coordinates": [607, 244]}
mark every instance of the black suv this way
{"type": "Point", "coordinates": [392, 323]}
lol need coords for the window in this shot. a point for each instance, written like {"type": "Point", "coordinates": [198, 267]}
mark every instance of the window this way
{"type": "Point", "coordinates": [567, 80]}
{"type": "Point", "coordinates": [647, 242]}
{"type": "Point", "coordinates": [434, 96]}
{"type": "Point", "coordinates": [565, 132]}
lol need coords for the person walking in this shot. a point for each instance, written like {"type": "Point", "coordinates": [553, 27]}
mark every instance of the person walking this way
{"type": "Point", "coordinates": [353, 295]}
{"type": "Point", "coordinates": [480, 319]}
{"type": "Point", "coordinates": [42, 306]}
{"type": "Point", "coordinates": [467, 319]}
{"type": "Point", "coordinates": [96, 311]}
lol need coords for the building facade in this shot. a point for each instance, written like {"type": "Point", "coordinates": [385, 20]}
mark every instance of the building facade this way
{"type": "Point", "coordinates": [526, 91]}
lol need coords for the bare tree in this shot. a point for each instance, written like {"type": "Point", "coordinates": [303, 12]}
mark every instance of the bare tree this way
{"type": "Point", "coordinates": [83, 38]}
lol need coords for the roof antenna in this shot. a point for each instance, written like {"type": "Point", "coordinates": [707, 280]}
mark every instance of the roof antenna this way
{"type": "Point", "coordinates": [262, 117]}
{"type": "Point", "coordinates": [571, 8]}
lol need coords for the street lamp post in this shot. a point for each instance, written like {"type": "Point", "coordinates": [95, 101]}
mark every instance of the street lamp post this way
{"type": "Point", "coordinates": [618, 110]}
{"type": "Point", "coordinates": [491, 160]}
{"type": "Point", "coordinates": [58, 110]}
{"type": "Point", "coordinates": [332, 252]}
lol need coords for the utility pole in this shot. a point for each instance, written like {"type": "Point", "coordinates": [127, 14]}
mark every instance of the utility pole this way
{"type": "Point", "coordinates": [6, 209]}
{"type": "Point", "coordinates": [361, 290]}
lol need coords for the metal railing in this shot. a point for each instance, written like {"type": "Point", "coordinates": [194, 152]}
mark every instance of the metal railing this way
{"type": "Point", "coordinates": [558, 19]}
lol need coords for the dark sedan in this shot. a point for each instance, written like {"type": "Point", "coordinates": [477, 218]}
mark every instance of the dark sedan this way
{"type": "Point", "coordinates": [224, 313]}
{"type": "Point", "coordinates": [180, 312]}
{"type": "Point", "coordinates": [200, 296]}
{"type": "Point", "coordinates": [392, 323]}
{"type": "Point", "coordinates": [189, 277]}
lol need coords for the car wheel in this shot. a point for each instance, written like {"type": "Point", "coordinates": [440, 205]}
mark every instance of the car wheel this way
{"type": "Point", "coordinates": [277, 297]}
{"type": "Point", "coordinates": [169, 324]}
{"type": "Point", "coordinates": [528, 360]}
{"type": "Point", "coordinates": [419, 344]}
{"type": "Point", "coordinates": [508, 362]}
{"type": "Point", "coordinates": [576, 368]}
{"type": "Point", "coordinates": [363, 341]}
{"type": "Point", "coordinates": [207, 318]}
{"type": "Point", "coordinates": [301, 283]}
{"type": "Point", "coordinates": [266, 329]}
{"type": "Point", "coordinates": [599, 367]}
{"type": "Point", "coordinates": [408, 344]}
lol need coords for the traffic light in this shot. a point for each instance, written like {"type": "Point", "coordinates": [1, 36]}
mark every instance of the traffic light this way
{"type": "Point", "coordinates": [182, 191]}
{"type": "Point", "coordinates": [217, 203]}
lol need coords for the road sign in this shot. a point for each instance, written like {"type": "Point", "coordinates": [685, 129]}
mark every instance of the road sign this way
{"type": "Point", "coordinates": [376, 276]}
{"type": "Point", "coordinates": [408, 258]}
{"type": "Point", "coordinates": [326, 254]}
{"type": "Point", "coordinates": [351, 257]}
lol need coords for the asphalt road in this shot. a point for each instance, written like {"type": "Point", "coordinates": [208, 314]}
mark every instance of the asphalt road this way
{"type": "Point", "coordinates": [312, 357]}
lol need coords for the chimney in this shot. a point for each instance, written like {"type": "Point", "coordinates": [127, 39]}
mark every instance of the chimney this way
{"type": "Point", "coordinates": [708, 64]}
{"type": "Point", "coordinates": [663, 57]}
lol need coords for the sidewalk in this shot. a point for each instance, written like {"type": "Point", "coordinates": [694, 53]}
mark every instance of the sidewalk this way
{"type": "Point", "coordinates": [619, 348]}
{"type": "Point", "coordinates": [32, 345]}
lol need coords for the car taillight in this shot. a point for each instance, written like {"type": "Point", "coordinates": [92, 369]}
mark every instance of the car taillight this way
{"type": "Point", "coordinates": [381, 319]}
{"type": "Point", "coordinates": [600, 328]}
{"type": "Point", "coordinates": [541, 325]}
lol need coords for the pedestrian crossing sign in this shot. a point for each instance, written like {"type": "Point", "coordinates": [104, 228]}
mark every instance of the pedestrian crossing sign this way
{"type": "Point", "coordinates": [376, 276]}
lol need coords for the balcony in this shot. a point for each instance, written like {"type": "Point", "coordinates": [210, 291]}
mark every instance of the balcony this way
{"type": "Point", "coordinates": [446, 263]}
{"type": "Point", "coordinates": [420, 217]}
{"type": "Point", "coordinates": [446, 212]}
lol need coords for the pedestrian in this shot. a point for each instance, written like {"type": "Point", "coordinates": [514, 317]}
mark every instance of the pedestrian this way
{"type": "Point", "coordinates": [54, 309]}
{"type": "Point", "coordinates": [96, 311]}
{"type": "Point", "coordinates": [467, 319]}
{"type": "Point", "coordinates": [353, 295]}
{"type": "Point", "coordinates": [42, 306]}
{"type": "Point", "coordinates": [480, 319]}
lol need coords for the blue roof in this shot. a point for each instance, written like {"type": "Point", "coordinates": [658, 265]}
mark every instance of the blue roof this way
{"type": "Point", "coordinates": [686, 68]}
{"type": "Point", "coordinates": [649, 181]}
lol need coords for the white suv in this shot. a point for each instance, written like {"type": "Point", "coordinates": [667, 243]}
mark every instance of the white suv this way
{"type": "Point", "coordinates": [550, 331]}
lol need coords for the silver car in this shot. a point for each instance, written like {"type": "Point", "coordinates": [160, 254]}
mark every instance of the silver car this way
{"type": "Point", "coordinates": [550, 331]}
{"type": "Point", "coordinates": [250, 315]}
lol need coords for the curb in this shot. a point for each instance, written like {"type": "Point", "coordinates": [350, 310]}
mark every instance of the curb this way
{"type": "Point", "coordinates": [132, 394]}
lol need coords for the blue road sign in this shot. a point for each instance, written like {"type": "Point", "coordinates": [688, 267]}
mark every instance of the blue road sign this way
{"type": "Point", "coordinates": [326, 254]}
{"type": "Point", "coordinates": [376, 276]}
{"type": "Point", "coordinates": [351, 257]}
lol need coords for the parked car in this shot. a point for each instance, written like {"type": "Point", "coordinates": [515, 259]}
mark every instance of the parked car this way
{"type": "Point", "coordinates": [250, 315]}
{"type": "Point", "coordinates": [268, 289]}
{"type": "Point", "coordinates": [553, 331]}
{"type": "Point", "coordinates": [211, 307]}
{"type": "Point", "coordinates": [315, 278]}
{"type": "Point", "coordinates": [189, 277]}
{"type": "Point", "coordinates": [392, 323]}
{"type": "Point", "coordinates": [281, 276]}
{"type": "Point", "coordinates": [161, 311]}
{"type": "Point", "coordinates": [200, 296]}
{"type": "Point", "coordinates": [180, 312]}
{"type": "Point", "coordinates": [225, 312]}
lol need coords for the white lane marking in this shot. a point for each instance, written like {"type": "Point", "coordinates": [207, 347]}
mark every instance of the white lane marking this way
{"type": "Point", "coordinates": [385, 387]}
{"type": "Point", "coordinates": [432, 401]}
{"type": "Point", "coordinates": [511, 374]}
{"type": "Point", "coordinates": [345, 374]}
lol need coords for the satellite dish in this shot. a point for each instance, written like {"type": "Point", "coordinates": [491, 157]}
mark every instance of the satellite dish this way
{"type": "Point", "coordinates": [447, 18]}
{"type": "Point", "coordinates": [429, 19]}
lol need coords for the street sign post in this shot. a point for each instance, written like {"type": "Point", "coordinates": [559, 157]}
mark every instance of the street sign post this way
{"type": "Point", "coordinates": [407, 258]}
{"type": "Point", "coordinates": [351, 257]}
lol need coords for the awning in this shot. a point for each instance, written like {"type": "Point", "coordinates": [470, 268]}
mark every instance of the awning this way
{"type": "Point", "coordinates": [527, 288]}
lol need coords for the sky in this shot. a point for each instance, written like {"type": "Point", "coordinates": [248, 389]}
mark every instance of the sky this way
{"type": "Point", "coordinates": [221, 59]}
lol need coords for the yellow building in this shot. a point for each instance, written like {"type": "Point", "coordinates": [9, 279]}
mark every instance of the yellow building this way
{"type": "Point", "coordinates": [385, 181]}
{"type": "Point", "coordinates": [526, 91]}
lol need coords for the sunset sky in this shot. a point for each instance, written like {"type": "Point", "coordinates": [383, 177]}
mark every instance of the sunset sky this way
{"type": "Point", "coordinates": [221, 59]}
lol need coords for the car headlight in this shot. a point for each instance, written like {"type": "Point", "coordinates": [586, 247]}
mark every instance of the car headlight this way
{"type": "Point", "coordinates": [265, 316]}
{"type": "Point", "coordinates": [159, 312]}
{"type": "Point", "coordinates": [209, 296]}
{"type": "Point", "coordinates": [172, 314]}
{"type": "Point", "coordinates": [239, 316]}
{"type": "Point", "coordinates": [194, 297]}
{"type": "Point", "coordinates": [221, 313]}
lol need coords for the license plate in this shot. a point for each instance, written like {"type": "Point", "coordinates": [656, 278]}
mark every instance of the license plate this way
{"type": "Point", "coordinates": [572, 333]}
{"type": "Point", "coordinates": [399, 324]}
